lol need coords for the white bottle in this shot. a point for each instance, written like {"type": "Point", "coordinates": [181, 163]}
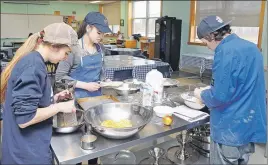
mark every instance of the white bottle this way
{"type": "Point", "coordinates": [155, 79]}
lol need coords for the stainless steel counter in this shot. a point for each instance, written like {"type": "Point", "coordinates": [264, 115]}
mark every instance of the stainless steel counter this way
{"type": "Point", "coordinates": [67, 150]}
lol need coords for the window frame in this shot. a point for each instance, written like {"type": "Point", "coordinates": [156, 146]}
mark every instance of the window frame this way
{"type": "Point", "coordinates": [192, 25]}
{"type": "Point", "coordinates": [131, 19]}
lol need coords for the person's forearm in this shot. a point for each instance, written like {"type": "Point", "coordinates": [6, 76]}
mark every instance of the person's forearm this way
{"type": "Point", "coordinates": [210, 100]}
{"type": "Point", "coordinates": [80, 84]}
{"type": "Point", "coordinates": [41, 115]}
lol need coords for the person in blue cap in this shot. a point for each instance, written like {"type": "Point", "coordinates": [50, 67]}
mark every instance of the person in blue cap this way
{"type": "Point", "coordinates": [236, 96]}
{"type": "Point", "coordinates": [85, 62]}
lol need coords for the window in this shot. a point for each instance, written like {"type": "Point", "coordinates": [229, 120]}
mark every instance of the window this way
{"type": "Point", "coordinates": [247, 17]}
{"type": "Point", "coordinates": [114, 28]}
{"type": "Point", "coordinates": [142, 17]}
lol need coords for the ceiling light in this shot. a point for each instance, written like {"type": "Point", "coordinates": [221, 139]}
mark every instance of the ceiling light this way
{"type": "Point", "coordinates": [94, 1]}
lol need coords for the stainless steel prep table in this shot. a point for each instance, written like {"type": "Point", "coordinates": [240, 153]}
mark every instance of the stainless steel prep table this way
{"type": "Point", "coordinates": [66, 147]}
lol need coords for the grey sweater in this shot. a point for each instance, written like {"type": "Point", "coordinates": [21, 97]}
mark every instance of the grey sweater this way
{"type": "Point", "coordinates": [66, 67]}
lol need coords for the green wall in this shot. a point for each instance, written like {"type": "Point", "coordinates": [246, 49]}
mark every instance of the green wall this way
{"type": "Point", "coordinates": [65, 8]}
{"type": "Point", "coordinates": [124, 15]}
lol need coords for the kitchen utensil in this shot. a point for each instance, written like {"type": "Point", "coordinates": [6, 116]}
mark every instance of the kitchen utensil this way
{"type": "Point", "coordinates": [110, 84]}
{"type": "Point", "coordinates": [200, 139]}
{"type": "Point", "coordinates": [60, 127]}
{"type": "Point", "coordinates": [191, 101]}
{"type": "Point", "coordinates": [87, 141]}
{"type": "Point", "coordinates": [168, 82]}
{"type": "Point", "coordinates": [121, 157]}
{"type": "Point", "coordinates": [138, 115]}
{"type": "Point", "coordinates": [157, 153]}
{"type": "Point", "coordinates": [157, 157]}
{"type": "Point", "coordinates": [173, 104]}
{"type": "Point", "coordinates": [174, 152]}
{"type": "Point", "coordinates": [151, 161]}
{"type": "Point", "coordinates": [134, 81]}
{"type": "Point", "coordinates": [191, 94]}
{"type": "Point", "coordinates": [198, 148]}
{"type": "Point", "coordinates": [126, 89]}
{"type": "Point", "coordinates": [66, 119]}
{"type": "Point", "coordinates": [90, 102]}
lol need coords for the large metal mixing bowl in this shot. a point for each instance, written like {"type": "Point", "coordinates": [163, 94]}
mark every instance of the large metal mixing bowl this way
{"type": "Point", "coordinates": [138, 115]}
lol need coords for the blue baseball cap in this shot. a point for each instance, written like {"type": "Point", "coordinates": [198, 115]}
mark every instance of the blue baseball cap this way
{"type": "Point", "coordinates": [210, 24]}
{"type": "Point", "coordinates": [98, 20]}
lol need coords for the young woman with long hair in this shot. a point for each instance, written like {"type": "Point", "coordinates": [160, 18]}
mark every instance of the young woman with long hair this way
{"type": "Point", "coordinates": [27, 96]}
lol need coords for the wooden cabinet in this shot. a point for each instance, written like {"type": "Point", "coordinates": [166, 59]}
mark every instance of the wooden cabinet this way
{"type": "Point", "coordinates": [149, 47]}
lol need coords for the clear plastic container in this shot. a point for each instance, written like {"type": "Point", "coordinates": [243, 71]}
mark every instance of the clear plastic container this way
{"type": "Point", "coordinates": [147, 95]}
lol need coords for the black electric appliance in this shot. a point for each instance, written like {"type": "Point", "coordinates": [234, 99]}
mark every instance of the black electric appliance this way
{"type": "Point", "coordinates": [168, 40]}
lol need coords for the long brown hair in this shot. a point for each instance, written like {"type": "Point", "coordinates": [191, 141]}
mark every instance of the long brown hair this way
{"type": "Point", "coordinates": [29, 45]}
{"type": "Point", "coordinates": [82, 29]}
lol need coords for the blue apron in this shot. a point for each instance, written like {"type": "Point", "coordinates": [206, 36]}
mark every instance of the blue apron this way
{"type": "Point", "coordinates": [89, 70]}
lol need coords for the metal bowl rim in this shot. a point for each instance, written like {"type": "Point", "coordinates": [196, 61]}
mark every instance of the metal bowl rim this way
{"type": "Point", "coordinates": [78, 125]}
{"type": "Point", "coordinates": [127, 128]}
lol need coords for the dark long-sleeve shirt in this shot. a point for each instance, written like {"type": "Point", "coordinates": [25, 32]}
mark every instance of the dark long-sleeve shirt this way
{"type": "Point", "coordinates": [28, 88]}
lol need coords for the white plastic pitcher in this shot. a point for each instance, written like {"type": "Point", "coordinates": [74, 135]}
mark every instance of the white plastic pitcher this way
{"type": "Point", "coordinates": [155, 79]}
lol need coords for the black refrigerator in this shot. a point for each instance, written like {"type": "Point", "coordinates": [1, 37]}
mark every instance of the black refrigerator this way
{"type": "Point", "coordinates": [168, 40]}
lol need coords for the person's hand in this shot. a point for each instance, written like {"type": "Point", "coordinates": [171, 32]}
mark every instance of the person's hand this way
{"type": "Point", "coordinates": [108, 80]}
{"type": "Point", "coordinates": [66, 107]}
{"type": "Point", "coordinates": [62, 96]}
{"type": "Point", "coordinates": [205, 88]}
{"type": "Point", "coordinates": [197, 93]}
{"type": "Point", "coordinates": [92, 86]}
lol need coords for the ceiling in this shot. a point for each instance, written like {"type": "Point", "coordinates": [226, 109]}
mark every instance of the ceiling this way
{"type": "Point", "coordinates": [88, 2]}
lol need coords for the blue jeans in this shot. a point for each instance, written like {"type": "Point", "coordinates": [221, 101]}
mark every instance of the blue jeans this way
{"type": "Point", "coordinates": [222, 154]}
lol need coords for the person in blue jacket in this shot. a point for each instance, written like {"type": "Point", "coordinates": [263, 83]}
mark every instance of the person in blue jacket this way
{"type": "Point", "coordinates": [85, 64]}
{"type": "Point", "coordinates": [29, 103]}
{"type": "Point", "coordinates": [236, 96]}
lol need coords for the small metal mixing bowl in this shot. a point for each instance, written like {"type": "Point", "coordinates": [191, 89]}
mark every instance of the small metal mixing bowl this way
{"type": "Point", "coordinates": [126, 89]}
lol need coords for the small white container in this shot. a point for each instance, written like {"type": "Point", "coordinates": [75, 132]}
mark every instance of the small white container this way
{"type": "Point", "coordinates": [162, 111]}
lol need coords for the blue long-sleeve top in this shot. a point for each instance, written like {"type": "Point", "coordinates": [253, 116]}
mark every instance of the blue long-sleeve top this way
{"type": "Point", "coordinates": [237, 94]}
{"type": "Point", "coordinates": [28, 89]}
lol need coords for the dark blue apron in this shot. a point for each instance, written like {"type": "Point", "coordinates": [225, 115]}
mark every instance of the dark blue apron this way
{"type": "Point", "coordinates": [89, 70]}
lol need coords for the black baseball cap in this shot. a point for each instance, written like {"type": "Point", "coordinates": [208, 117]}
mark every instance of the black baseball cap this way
{"type": "Point", "coordinates": [98, 20]}
{"type": "Point", "coordinates": [210, 24]}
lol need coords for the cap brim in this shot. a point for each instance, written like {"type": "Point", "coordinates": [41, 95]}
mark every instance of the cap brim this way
{"type": "Point", "coordinates": [103, 29]}
{"type": "Point", "coordinates": [225, 23]}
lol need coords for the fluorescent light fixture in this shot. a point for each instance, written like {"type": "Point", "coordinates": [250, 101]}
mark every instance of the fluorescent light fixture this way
{"type": "Point", "coordinates": [94, 1]}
